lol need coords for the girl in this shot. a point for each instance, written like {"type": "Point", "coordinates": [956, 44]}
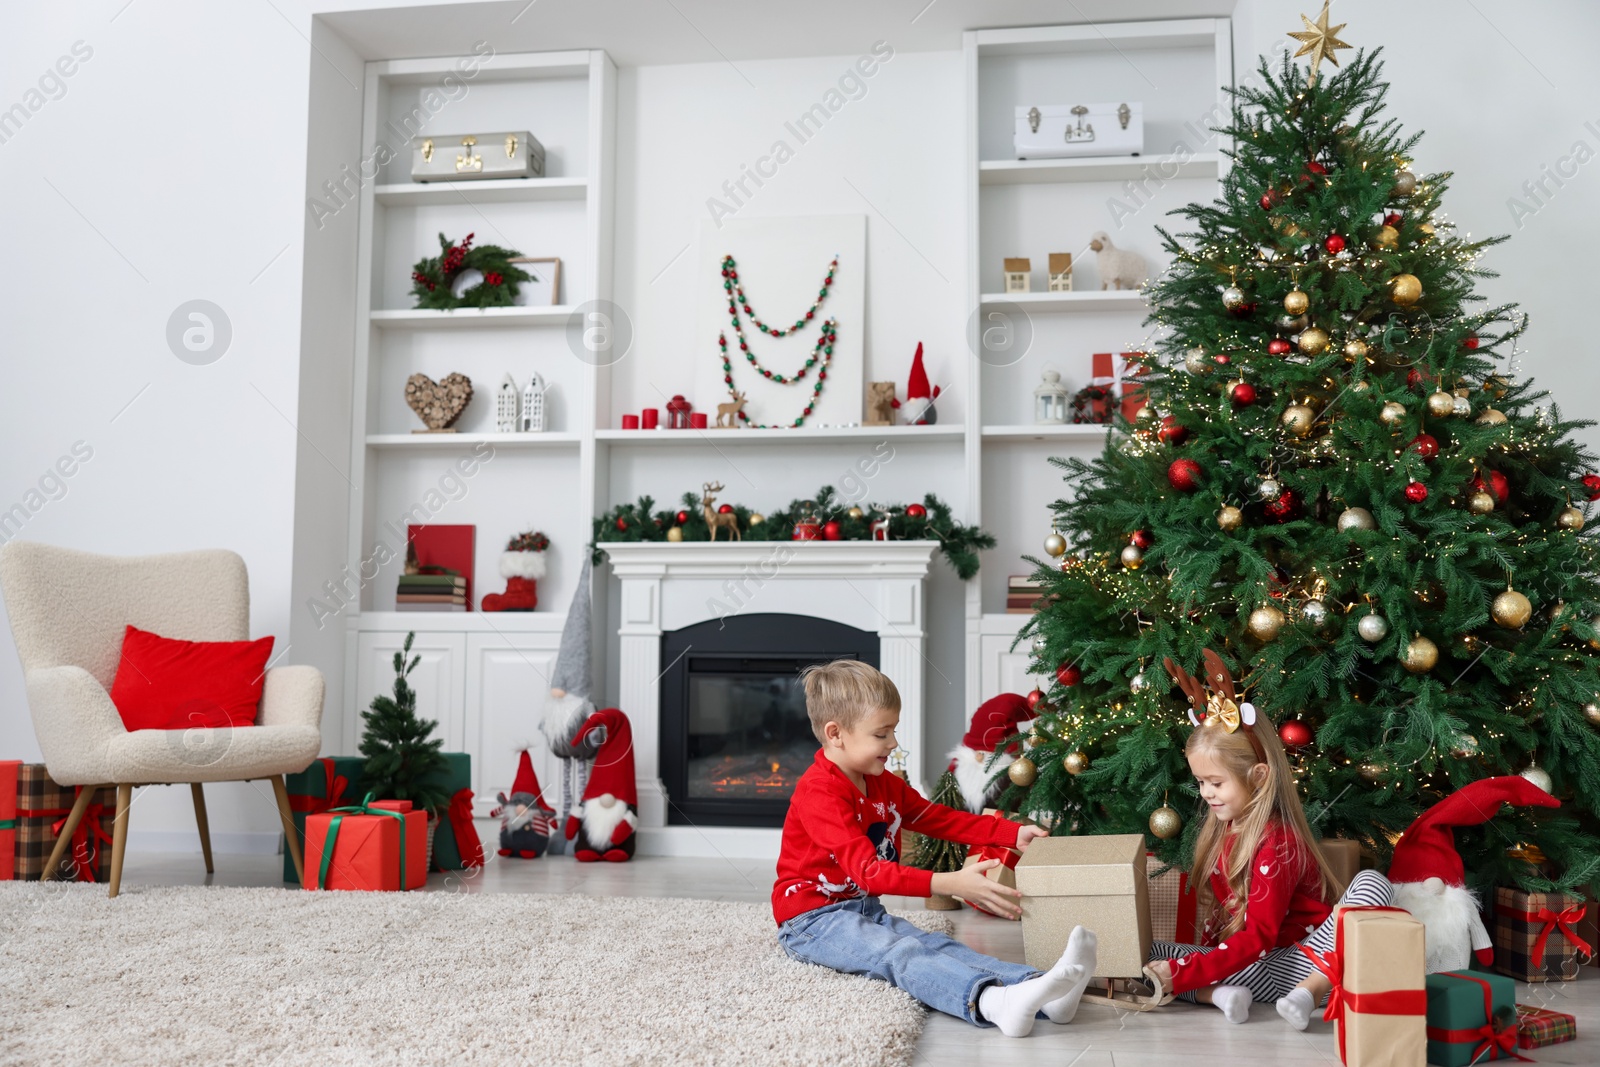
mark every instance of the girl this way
{"type": "Point", "coordinates": [1270, 882]}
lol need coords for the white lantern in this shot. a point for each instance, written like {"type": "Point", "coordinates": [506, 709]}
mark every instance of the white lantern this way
{"type": "Point", "coordinates": [1050, 400]}
{"type": "Point", "coordinates": [505, 406]}
{"type": "Point", "coordinates": [533, 405]}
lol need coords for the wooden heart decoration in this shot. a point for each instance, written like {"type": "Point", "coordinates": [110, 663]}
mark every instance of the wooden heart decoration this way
{"type": "Point", "coordinates": [438, 404]}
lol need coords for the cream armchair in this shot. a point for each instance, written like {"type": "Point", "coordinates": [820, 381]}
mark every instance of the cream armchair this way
{"type": "Point", "coordinates": [68, 613]}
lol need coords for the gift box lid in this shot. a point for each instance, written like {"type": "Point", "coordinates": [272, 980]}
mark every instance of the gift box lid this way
{"type": "Point", "coordinates": [1095, 865]}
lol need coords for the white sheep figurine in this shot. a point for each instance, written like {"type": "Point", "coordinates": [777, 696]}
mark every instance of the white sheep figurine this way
{"type": "Point", "coordinates": [1117, 265]}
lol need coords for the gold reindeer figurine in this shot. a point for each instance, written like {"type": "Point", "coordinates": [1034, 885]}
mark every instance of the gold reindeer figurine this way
{"type": "Point", "coordinates": [714, 518]}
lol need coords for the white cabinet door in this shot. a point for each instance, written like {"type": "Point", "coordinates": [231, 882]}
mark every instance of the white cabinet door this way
{"type": "Point", "coordinates": [507, 683]}
{"type": "Point", "coordinates": [437, 679]}
{"type": "Point", "coordinates": [1005, 671]}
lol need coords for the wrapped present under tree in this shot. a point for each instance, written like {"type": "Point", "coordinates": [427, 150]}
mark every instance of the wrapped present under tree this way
{"type": "Point", "coordinates": [41, 813]}
{"type": "Point", "coordinates": [1536, 935]}
{"type": "Point", "coordinates": [1538, 1027]}
{"type": "Point", "coordinates": [1379, 1001]}
{"type": "Point", "coordinates": [1471, 1018]}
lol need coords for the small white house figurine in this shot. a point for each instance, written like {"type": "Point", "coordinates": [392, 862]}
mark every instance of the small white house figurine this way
{"type": "Point", "coordinates": [1118, 267]}
{"type": "Point", "coordinates": [533, 405]}
{"type": "Point", "coordinates": [1019, 275]}
{"type": "Point", "coordinates": [505, 406]}
{"type": "Point", "coordinates": [1050, 400]}
{"type": "Point", "coordinates": [1061, 272]}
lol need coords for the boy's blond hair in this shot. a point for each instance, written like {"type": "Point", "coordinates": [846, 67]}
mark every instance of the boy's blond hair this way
{"type": "Point", "coordinates": [846, 691]}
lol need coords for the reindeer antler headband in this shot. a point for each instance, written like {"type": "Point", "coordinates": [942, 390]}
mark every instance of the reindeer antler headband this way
{"type": "Point", "coordinates": [1221, 706]}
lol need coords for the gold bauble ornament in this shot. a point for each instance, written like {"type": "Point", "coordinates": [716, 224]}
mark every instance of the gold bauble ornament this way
{"type": "Point", "coordinates": [1465, 747]}
{"type": "Point", "coordinates": [1497, 385]}
{"type": "Point", "coordinates": [1165, 823]}
{"type": "Point", "coordinates": [1143, 413]}
{"type": "Point", "coordinates": [756, 518]}
{"type": "Point", "coordinates": [1405, 289]}
{"type": "Point", "coordinates": [1420, 655]}
{"type": "Point", "coordinates": [1387, 238]}
{"type": "Point", "coordinates": [1356, 519]}
{"type": "Point", "coordinates": [1511, 609]}
{"type": "Point", "coordinates": [1022, 772]}
{"type": "Point", "coordinates": [855, 512]}
{"type": "Point", "coordinates": [1426, 229]}
{"type": "Point", "coordinates": [1132, 557]}
{"type": "Point", "coordinates": [1471, 646]}
{"type": "Point", "coordinates": [1055, 544]}
{"type": "Point", "coordinates": [1230, 517]}
{"type": "Point", "coordinates": [1313, 341]}
{"type": "Point", "coordinates": [675, 533]}
{"type": "Point", "coordinates": [1393, 412]}
{"type": "Point", "coordinates": [1491, 417]}
{"type": "Point", "coordinates": [1594, 623]}
{"type": "Point", "coordinates": [1591, 712]}
{"type": "Point", "coordinates": [1196, 362]}
{"type": "Point", "coordinates": [1075, 762]}
{"type": "Point", "coordinates": [1355, 349]}
{"type": "Point", "coordinates": [1570, 518]}
{"type": "Point", "coordinates": [1405, 183]}
{"type": "Point", "coordinates": [1298, 419]}
{"type": "Point", "coordinates": [1372, 772]}
{"type": "Point", "coordinates": [1441, 405]}
{"type": "Point", "coordinates": [1265, 623]}
{"type": "Point", "coordinates": [1480, 503]}
{"type": "Point", "coordinates": [1296, 302]}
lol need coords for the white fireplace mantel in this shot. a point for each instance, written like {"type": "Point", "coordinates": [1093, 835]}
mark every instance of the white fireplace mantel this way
{"type": "Point", "coordinates": [872, 585]}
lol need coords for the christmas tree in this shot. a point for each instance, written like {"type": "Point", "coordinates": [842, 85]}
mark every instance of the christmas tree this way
{"type": "Point", "coordinates": [1339, 484]}
{"type": "Point", "coordinates": [403, 760]}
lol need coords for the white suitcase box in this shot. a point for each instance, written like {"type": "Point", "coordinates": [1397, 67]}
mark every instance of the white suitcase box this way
{"type": "Point", "coordinates": [1066, 131]}
{"type": "Point", "coordinates": [477, 156]}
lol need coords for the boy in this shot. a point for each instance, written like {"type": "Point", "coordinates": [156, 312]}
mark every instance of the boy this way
{"type": "Point", "coordinates": [841, 850]}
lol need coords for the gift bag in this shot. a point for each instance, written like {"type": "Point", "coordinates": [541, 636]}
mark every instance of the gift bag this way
{"type": "Point", "coordinates": [1536, 935]}
{"type": "Point", "coordinates": [41, 813]}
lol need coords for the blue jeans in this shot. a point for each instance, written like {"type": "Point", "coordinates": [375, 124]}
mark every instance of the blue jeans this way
{"type": "Point", "coordinates": [858, 937]}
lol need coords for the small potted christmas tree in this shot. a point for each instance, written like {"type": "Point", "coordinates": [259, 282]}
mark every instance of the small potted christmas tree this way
{"type": "Point", "coordinates": [403, 762]}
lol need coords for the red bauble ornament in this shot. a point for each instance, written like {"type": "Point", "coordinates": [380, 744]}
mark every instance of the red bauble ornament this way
{"type": "Point", "coordinates": [1334, 244]}
{"type": "Point", "coordinates": [1500, 486]}
{"type": "Point", "coordinates": [1286, 507]}
{"type": "Point", "coordinates": [724, 509]}
{"type": "Point", "coordinates": [682, 517]}
{"type": "Point", "coordinates": [1425, 445]}
{"type": "Point", "coordinates": [1244, 394]}
{"type": "Point", "coordinates": [915, 511]}
{"type": "Point", "coordinates": [1279, 347]}
{"type": "Point", "coordinates": [1184, 475]}
{"type": "Point", "coordinates": [1266, 201]}
{"type": "Point", "coordinates": [1416, 492]}
{"type": "Point", "coordinates": [622, 524]}
{"type": "Point", "coordinates": [831, 531]}
{"type": "Point", "coordinates": [1033, 699]}
{"type": "Point", "coordinates": [1414, 378]}
{"type": "Point", "coordinates": [1316, 168]}
{"type": "Point", "coordinates": [1142, 539]}
{"type": "Point", "coordinates": [1067, 674]}
{"type": "Point", "coordinates": [1295, 734]}
{"type": "Point", "coordinates": [1171, 432]}
{"type": "Point", "coordinates": [1470, 341]}
{"type": "Point", "coordinates": [1222, 359]}
{"type": "Point", "coordinates": [1591, 482]}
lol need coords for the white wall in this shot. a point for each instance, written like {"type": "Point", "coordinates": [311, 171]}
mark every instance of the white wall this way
{"type": "Point", "coordinates": [192, 184]}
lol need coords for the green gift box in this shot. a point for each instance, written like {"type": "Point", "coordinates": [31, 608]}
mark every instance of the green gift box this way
{"type": "Point", "coordinates": [1472, 1017]}
{"type": "Point", "coordinates": [456, 846]}
{"type": "Point", "coordinates": [329, 782]}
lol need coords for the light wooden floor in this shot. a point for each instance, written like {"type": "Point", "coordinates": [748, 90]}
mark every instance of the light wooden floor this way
{"type": "Point", "coordinates": [1101, 1036]}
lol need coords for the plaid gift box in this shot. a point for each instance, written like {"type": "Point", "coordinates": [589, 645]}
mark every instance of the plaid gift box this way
{"type": "Point", "coordinates": [1538, 1027]}
{"type": "Point", "coordinates": [41, 815]}
{"type": "Point", "coordinates": [1172, 905]}
{"type": "Point", "coordinates": [1536, 935]}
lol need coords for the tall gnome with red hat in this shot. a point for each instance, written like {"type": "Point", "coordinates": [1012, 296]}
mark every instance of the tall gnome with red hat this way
{"type": "Point", "coordinates": [609, 816]}
{"type": "Point", "coordinates": [995, 720]}
{"type": "Point", "coordinates": [1428, 877]}
{"type": "Point", "coordinates": [525, 819]}
{"type": "Point", "coordinates": [918, 404]}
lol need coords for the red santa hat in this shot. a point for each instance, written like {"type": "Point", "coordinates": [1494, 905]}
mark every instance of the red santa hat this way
{"type": "Point", "coordinates": [612, 796]}
{"type": "Point", "coordinates": [528, 782]}
{"type": "Point", "coordinates": [919, 398]}
{"type": "Point", "coordinates": [1428, 876]}
{"type": "Point", "coordinates": [995, 720]}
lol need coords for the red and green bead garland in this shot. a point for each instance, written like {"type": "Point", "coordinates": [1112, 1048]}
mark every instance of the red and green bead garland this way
{"type": "Point", "coordinates": [821, 352]}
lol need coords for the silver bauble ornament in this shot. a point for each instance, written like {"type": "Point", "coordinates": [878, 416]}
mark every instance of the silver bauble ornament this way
{"type": "Point", "coordinates": [1462, 407]}
{"type": "Point", "coordinates": [1537, 775]}
{"type": "Point", "coordinates": [1405, 183]}
{"type": "Point", "coordinates": [1139, 683]}
{"type": "Point", "coordinates": [1356, 519]}
{"type": "Point", "coordinates": [1591, 712]}
{"type": "Point", "coordinates": [1132, 557]}
{"type": "Point", "coordinates": [1373, 628]}
{"type": "Point", "coordinates": [1269, 489]}
{"type": "Point", "coordinates": [1232, 297]}
{"type": "Point", "coordinates": [1055, 544]}
{"type": "Point", "coordinates": [1040, 642]}
{"type": "Point", "coordinates": [1465, 747]}
{"type": "Point", "coordinates": [1316, 613]}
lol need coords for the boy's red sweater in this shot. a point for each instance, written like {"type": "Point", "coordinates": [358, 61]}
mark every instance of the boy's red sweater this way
{"type": "Point", "coordinates": [839, 843]}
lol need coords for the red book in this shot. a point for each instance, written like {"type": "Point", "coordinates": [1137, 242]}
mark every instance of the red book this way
{"type": "Point", "coordinates": [443, 549]}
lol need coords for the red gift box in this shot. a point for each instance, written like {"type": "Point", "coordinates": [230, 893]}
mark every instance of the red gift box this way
{"type": "Point", "coordinates": [374, 846]}
{"type": "Point", "coordinates": [1132, 391]}
{"type": "Point", "coordinates": [1538, 1027]}
{"type": "Point", "coordinates": [8, 818]}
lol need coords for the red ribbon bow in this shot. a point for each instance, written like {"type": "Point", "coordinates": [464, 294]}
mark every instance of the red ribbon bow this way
{"type": "Point", "coordinates": [332, 794]}
{"type": "Point", "coordinates": [1552, 920]}
{"type": "Point", "coordinates": [1499, 1044]}
{"type": "Point", "coordinates": [1341, 1000]}
{"type": "Point", "coordinates": [468, 843]}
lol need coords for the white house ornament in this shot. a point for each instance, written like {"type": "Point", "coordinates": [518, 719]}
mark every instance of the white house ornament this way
{"type": "Point", "coordinates": [533, 405]}
{"type": "Point", "coordinates": [505, 407]}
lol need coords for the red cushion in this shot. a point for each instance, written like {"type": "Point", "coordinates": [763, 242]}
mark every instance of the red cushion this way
{"type": "Point", "coordinates": [166, 684]}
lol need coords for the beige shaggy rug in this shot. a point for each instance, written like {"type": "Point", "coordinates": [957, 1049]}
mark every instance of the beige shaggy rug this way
{"type": "Point", "coordinates": [275, 977]}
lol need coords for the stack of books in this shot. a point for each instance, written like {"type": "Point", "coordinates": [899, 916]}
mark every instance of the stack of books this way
{"type": "Point", "coordinates": [1022, 595]}
{"type": "Point", "coordinates": [431, 592]}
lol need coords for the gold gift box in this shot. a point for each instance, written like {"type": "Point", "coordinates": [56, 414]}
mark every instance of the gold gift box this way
{"type": "Point", "coordinates": [1099, 882]}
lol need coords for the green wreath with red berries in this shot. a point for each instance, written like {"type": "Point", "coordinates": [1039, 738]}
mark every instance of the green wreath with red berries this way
{"type": "Point", "coordinates": [433, 279]}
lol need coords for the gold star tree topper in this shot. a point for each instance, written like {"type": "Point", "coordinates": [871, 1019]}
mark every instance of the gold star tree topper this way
{"type": "Point", "coordinates": [1319, 41]}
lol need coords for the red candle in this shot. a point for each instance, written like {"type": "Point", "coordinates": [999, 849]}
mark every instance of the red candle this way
{"type": "Point", "coordinates": [697, 420]}
{"type": "Point", "coordinates": [648, 417]}
{"type": "Point", "coordinates": [630, 422]}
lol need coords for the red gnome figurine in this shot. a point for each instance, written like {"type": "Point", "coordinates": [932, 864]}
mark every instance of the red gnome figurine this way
{"type": "Point", "coordinates": [919, 399]}
{"type": "Point", "coordinates": [995, 720]}
{"type": "Point", "coordinates": [1428, 877]}
{"type": "Point", "coordinates": [609, 813]}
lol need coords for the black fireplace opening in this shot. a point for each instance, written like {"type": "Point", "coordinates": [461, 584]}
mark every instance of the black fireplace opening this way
{"type": "Point", "coordinates": [734, 733]}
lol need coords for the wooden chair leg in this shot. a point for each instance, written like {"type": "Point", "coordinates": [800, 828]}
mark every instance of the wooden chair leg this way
{"type": "Point", "coordinates": [205, 827]}
{"type": "Point", "coordinates": [291, 839]}
{"type": "Point", "coordinates": [75, 817]}
{"type": "Point", "coordinates": [119, 835]}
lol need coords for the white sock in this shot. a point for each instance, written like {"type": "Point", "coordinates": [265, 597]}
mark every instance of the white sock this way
{"type": "Point", "coordinates": [1081, 953]}
{"type": "Point", "coordinates": [1234, 1000]}
{"type": "Point", "coordinates": [1296, 1008]}
{"type": "Point", "coordinates": [1012, 1008]}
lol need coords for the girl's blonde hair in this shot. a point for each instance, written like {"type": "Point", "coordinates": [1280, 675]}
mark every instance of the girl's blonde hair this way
{"type": "Point", "coordinates": [1273, 800]}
